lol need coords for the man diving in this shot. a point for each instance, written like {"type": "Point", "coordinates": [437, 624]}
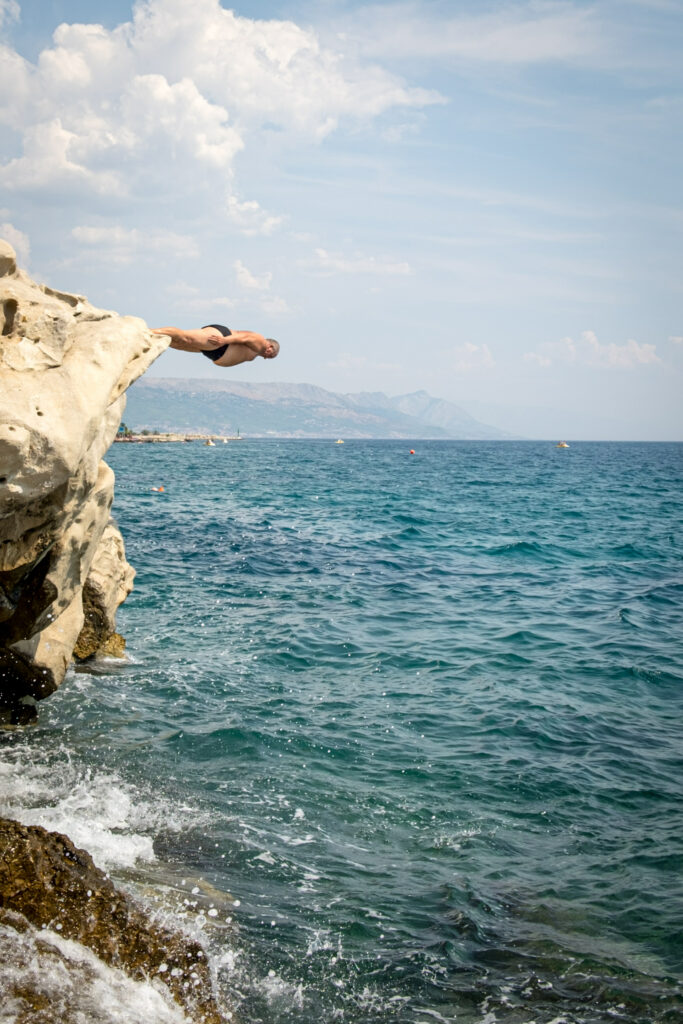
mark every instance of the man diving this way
{"type": "Point", "coordinates": [242, 347]}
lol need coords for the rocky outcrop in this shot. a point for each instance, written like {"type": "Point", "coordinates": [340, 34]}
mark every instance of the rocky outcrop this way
{"type": "Point", "coordinates": [109, 583]}
{"type": "Point", "coordinates": [64, 370]}
{"type": "Point", "coordinates": [47, 883]}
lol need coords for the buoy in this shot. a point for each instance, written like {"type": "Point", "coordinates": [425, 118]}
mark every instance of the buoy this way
{"type": "Point", "coordinates": [412, 451]}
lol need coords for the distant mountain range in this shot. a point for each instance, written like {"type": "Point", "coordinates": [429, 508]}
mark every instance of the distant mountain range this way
{"type": "Point", "coordinates": [295, 410]}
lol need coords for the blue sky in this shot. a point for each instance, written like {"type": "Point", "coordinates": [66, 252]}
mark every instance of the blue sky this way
{"type": "Point", "coordinates": [479, 199]}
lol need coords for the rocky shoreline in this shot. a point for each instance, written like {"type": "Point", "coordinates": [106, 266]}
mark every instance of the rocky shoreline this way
{"type": "Point", "coordinates": [64, 370]}
{"type": "Point", "coordinates": [50, 885]}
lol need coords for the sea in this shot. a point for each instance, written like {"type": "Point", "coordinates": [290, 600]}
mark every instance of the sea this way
{"type": "Point", "coordinates": [399, 731]}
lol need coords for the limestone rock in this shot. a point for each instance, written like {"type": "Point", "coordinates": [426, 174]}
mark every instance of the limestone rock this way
{"type": "Point", "coordinates": [64, 368]}
{"type": "Point", "coordinates": [109, 583]}
{"type": "Point", "coordinates": [49, 883]}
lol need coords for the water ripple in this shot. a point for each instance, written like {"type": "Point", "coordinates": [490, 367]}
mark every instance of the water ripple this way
{"type": "Point", "coordinates": [426, 716]}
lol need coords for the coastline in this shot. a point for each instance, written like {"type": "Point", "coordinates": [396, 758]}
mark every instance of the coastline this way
{"type": "Point", "coordinates": [167, 438]}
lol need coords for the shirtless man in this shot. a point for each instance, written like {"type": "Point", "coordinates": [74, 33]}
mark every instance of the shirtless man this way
{"type": "Point", "coordinates": [242, 347]}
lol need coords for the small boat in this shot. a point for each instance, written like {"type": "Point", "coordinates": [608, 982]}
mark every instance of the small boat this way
{"type": "Point", "coordinates": [339, 441]}
{"type": "Point", "coordinates": [210, 443]}
{"type": "Point", "coordinates": [562, 444]}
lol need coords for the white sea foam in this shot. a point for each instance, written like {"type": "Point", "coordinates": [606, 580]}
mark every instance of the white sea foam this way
{"type": "Point", "coordinates": [116, 822]}
{"type": "Point", "coordinates": [322, 939]}
{"type": "Point", "coordinates": [99, 812]}
{"type": "Point", "coordinates": [78, 986]}
{"type": "Point", "coordinates": [280, 992]}
{"type": "Point", "coordinates": [433, 1015]}
{"type": "Point", "coordinates": [454, 841]}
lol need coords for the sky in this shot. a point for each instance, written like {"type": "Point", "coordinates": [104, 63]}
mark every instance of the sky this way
{"type": "Point", "coordinates": [480, 199]}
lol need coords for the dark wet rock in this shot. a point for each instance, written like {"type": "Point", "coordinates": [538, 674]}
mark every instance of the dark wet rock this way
{"type": "Point", "coordinates": [23, 712]}
{"type": "Point", "coordinates": [47, 883]}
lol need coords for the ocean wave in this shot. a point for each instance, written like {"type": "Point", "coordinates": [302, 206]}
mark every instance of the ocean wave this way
{"type": "Point", "coordinates": [100, 812]}
{"type": "Point", "coordinates": [40, 968]}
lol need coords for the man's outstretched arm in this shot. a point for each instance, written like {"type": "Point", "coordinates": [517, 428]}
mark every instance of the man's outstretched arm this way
{"type": "Point", "coordinates": [256, 342]}
{"type": "Point", "coordinates": [201, 340]}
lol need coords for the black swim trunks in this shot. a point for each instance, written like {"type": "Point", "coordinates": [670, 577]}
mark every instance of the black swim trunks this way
{"type": "Point", "coordinates": [216, 353]}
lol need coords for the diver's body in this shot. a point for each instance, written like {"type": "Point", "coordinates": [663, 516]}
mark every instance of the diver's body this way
{"type": "Point", "coordinates": [242, 347]}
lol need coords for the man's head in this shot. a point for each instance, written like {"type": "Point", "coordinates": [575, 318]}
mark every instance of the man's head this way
{"type": "Point", "coordinates": [272, 350]}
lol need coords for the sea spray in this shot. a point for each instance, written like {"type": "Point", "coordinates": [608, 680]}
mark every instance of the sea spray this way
{"type": "Point", "coordinates": [40, 971]}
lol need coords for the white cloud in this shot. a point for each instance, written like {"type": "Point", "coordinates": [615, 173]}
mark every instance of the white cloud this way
{"type": "Point", "coordinates": [470, 357]}
{"type": "Point", "coordinates": [250, 218]}
{"type": "Point", "coordinates": [124, 245]}
{"type": "Point", "coordinates": [400, 132]}
{"type": "Point", "coordinates": [176, 120]}
{"type": "Point", "coordinates": [357, 264]}
{"type": "Point", "coordinates": [204, 305]}
{"type": "Point", "coordinates": [564, 351]}
{"type": "Point", "coordinates": [275, 304]}
{"type": "Point", "coordinates": [180, 85]}
{"type": "Point", "coordinates": [246, 279]}
{"type": "Point", "coordinates": [52, 161]}
{"type": "Point", "coordinates": [258, 287]}
{"type": "Point", "coordinates": [158, 108]}
{"type": "Point", "coordinates": [269, 71]}
{"type": "Point", "coordinates": [677, 339]}
{"type": "Point", "coordinates": [588, 351]}
{"type": "Point", "coordinates": [9, 11]}
{"type": "Point", "coordinates": [188, 298]}
{"type": "Point", "coordinates": [18, 240]}
{"type": "Point", "coordinates": [520, 33]}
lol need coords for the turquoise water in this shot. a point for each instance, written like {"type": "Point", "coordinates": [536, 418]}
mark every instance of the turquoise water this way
{"type": "Point", "coordinates": [409, 725]}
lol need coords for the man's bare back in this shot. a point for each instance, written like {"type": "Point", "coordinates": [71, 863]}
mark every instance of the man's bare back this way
{"type": "Point", "coordinates": [239, 346]}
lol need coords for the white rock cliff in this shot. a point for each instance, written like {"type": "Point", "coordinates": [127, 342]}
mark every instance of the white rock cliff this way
{"type": "Point", "coordinates": [64, 370]}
